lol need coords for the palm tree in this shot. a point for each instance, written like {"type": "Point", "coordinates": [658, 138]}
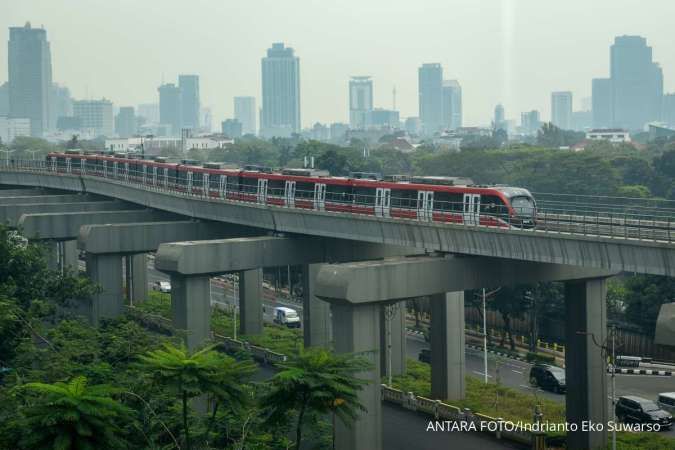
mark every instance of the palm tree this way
{"type": "Point", "coordinates": [318, 381]}
{"type": "Point", "coordinates": [204, 372]}
{"type": "Point", "coordinates": [73, 415]}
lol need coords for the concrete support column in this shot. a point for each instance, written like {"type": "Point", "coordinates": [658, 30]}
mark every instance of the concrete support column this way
{"type": "Point", "coordinates": [447, 346]}
{"type": "Point", "coordinates": [70, 256]}
{"type": "Point", "coordinates": [52, 254]}
{"type": "Point", "coordinates": [191, 308]}
{"type": "Point", "coordinates": [316, 324]}
{"type": "Point", "coordinates": [393, 319]}
{"type": "Point", "coordinates": [136, 277]}
{"type": "Point", "coordinates": [585, 364]}
{"type": "Point", "coordinates": [105, 270]}
{"type": "Point", "coordinates": [250, 302]}
{"type": "Point", "coordinates": [357, 330]}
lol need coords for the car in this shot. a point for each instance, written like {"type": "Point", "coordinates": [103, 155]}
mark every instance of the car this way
{"type": "Point", "coordinates": [548, 377]}
{"type": "Point", "coordinates": [425, 356]}
{"type": "Point", "coordinates": [634, 409]}
{"type": "Point", "coordinates": [666, 401]}
{"type": "Point", "coordinates": [286, 316]}
{"type": "Point", "coordinates": [162, 286]}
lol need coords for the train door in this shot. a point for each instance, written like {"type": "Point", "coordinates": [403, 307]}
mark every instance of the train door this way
{"type": "Point", "coordinates": [69, 165]}
{"type": "Point", "coordinates": [154, 176]}
{"type": "Point", "coordinates": [53, 164]}
{"type": "Point", "coordinates": [289, 194]}
{"type": "Point", "coordinates": [222, 186]}
{"type": "Point", "coordinates": [262, 190]}
{"type": "Point", "coordinates": [205, 185]}
{"type": "Point", "coordinates": [144, 169]}
{"type": "Point", "coordinates": [114, 169]}
{"type": "Point", "coordinates": [105, 169]}
{"type": "Point", "coordinates": [319, 196]}
{"type": "Point", "coordinates": [425, 206]}
{"type": "Point", "coordinates": [382, 202]}
{"type": "Point", "coordinates": [471, 209]}
{"type": "Point", "coordinates": [166, 177]}
{"type": "Point", "coordinates": [189, 182]}
{"type": "Point", "coordinates": [83, 168]}
{"type": "Point", "coordinates": [126, 171]}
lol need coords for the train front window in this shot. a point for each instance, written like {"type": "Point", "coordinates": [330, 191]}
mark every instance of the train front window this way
{"type": "Point", "coordinates": [523, 206]}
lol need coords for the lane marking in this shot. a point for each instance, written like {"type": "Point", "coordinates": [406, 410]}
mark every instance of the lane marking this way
{"type": "Point", "coordinates": [516, 371]}
{"type": "Point", "coordinates": [482, 374]}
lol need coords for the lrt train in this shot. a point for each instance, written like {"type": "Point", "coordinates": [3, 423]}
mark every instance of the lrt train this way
{"type": "Point", "coordinates": [428, 199]}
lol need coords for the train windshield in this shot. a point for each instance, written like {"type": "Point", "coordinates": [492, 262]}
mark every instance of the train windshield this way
{"type": "Point", "coordinates": [523, 206]}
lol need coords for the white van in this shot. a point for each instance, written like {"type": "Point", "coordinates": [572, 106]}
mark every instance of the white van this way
{"type": "Point", "coordinates": [666, 400]}
{"type": "Point", "coordinates": [286, 316]}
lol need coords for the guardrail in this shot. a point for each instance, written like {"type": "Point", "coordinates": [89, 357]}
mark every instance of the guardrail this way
{"type": "Point", "coordinates": [609, 220]}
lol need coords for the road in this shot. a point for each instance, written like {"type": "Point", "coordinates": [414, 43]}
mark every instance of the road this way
{"type": "Point", "coordinates": [512, 373]}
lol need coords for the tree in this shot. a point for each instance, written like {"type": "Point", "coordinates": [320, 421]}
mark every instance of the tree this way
{"type": "Point", "coordinates": [550, 136]}
{"type": "Point", "coordinates": [644, 296]}
{"type": "Point", "coordinates": [72, 415]}
{"type": "Point", "coordinates": [317, 381]}
{"type": "Point", "coordinates": [511, 304]}
{"type": "Point", "coordinates": [191, 375]}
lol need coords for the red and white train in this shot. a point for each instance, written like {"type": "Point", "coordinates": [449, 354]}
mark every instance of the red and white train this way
{"type": "Point", "coordinates": [428, 199]}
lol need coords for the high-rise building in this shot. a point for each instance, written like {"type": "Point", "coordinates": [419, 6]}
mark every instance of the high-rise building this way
{"type": "Point", "coordinates": [412, 125]}
{"type": "Point", "coordinates": [637, 83]}
{"type": "Point", "coordinates": [530, 122]}
{"type": "Point", "coordinates": [499, 121]}
{"type": "Point", "coordinates": [561, 109]}
{"type": "Point", "coordinates": [582, 120]}
{"type": "Point", "coordinates": [4, 99]}
{"type": "Point", "coordinates": [338, 131]}
{"type": "Point", "coordinates": [384, 118]}
{"type": "Point", "coordinates": [430, 88]}
{"type": "Point", "coordinates": [125, 122]}
{"type": "Point", "coordinates": [150, 111]}
{"type": "Point", "coordinates": [452, 104]}
{"type": "Point", "coordinates": [280, 92]}
{"type": "Point", "coordinates": [189, 99]}
{"type": "Point", "coordinates": [244, 112]}
{"type": "Point", "coordinates": [602, 103]}
{"type": "Point", "coordinates": [360, 102]}
{"type": "Point", "coordinates": [30, 76]}
{"type": "Point", "coordinates": [13, 128]}
{"type": "Point", "coordinates": [96, 116]}
{"type": "Point", "coordinates": [206, 120]}
{"type": "Point", "coordinates": [60, 104]}
{"type": "Point", "coordinates": [231, 128]}
{"type": "Point", "coordinates": [669, 110]}
{"type": "Point", "coordinates": [170, 110]}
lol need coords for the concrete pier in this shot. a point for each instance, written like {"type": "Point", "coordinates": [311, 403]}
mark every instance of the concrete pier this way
{"type": "Point", "coordinates": [191, 308]}
{"type": "Point", "coordinates": [105, 270]}
{"type": "Point", "coordinates": [359, 327]}
{"type": "Point", "coordinates": [136, 278]}
{"type": "Point", "coordinates": [585, 362]}
{"type": "Point", "coordinates": [250, 302]}
{"type": "Point", "coordinates": [393, 320]}
{"type": "Point", "coordinates": [316, 323]}
{"type": "Point", "coordinates": [448, 367]}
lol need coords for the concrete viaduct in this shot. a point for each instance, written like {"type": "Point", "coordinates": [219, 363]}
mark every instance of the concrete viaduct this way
{"type": "Point", "coordinates": [352, 267]}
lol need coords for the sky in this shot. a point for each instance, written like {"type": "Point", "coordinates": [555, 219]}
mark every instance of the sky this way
{"type": "Point", "coordinates": [514, 52]}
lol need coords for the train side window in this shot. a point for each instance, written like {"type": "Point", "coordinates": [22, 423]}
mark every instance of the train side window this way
{"type": "Point", "coordinates": [338, 193]}
{"type": "Point", "coordinates": [404, 198]}
{"type": "Point", "coordinates": [491, 204]}
{"type": "Point", "coordinates": [448, 201]}
{"type": "Point", "coordinates": [304, 190]}
{"type": "Point", "coordinates": [364, 196]}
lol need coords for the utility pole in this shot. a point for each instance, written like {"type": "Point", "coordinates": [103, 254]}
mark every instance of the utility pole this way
{"type": "Point", "coordinates": [389, 313]}
{"type": "Point", "coordinates": [485, 352]}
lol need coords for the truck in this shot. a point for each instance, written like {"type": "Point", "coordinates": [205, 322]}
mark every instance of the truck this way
{"type": "Point", "coordinates": [286, 316]}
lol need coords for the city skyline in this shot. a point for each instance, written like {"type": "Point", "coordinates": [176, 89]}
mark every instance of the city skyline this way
{"type": "Point", "coordinates": [504, 48]}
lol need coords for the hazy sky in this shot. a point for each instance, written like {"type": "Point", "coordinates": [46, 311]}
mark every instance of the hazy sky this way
{"type": "Point", "coordinates": [510, 51]}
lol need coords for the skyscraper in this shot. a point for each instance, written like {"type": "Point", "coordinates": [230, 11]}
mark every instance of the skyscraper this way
{"type": "Point", "coordinates": [280, 92]}
{"type": "Point", "coordinates": [244, 112]}
{"type": "Point", "coordinates": [170, 111]}
{"type": "Point", "coordinates": [499, 121]}
{"type": "Point", "coordinates": [360, 102]}
{"type": "Point", "coordinates": [60, 104]}
{"type": "Point", "coordinates": [30, 76]}
{"type": "Point", "coordinates": [125, 122]}
{"type": "Point", "coordinates": [149, 111]}
{"type": "Point", "coordinates": [602, 103]}
{"type": "Point", "coordinates": [669, 110]}
{"type": "Point", "coordinates": [430, 88]}
{"type": "Point", "coordinates": [95, 116]}
{"type": "Point", "coordinates": [231, 128]}
{"type": "Point", "coordinates": [190, 108]}
{"type": "Point", "coordinates": [452, 104]}
{"type": "Point", "coordinates": [530, 122]}
{"type": "Point", "coordinates": [561, 109]}
{"type": "Point", "coordinates": [637, 83]}
{"type": "Point", "coordinates": [4, 99]}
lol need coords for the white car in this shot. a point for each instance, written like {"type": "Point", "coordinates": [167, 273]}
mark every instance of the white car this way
{"type": "Point", "coordinates": [162, 286]}
{"type": "Point", "coordinates": [286, 316]}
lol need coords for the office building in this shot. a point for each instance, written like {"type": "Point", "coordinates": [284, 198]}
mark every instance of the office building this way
{"type": "Point", "coordinates": [150, 111]}
{"type": "Point", "coordinates": [280, 92]}
{"type": "Point", "coordinates": [582, 120]}
{"type": "Point", "coordinates": [189, 100]}
{"type": "Point", "coordinates": [452, 105]}
{"type": "Point", "coordinates": [530, 122]}
{"type": "Point", "coordinates": [338, 131]}
{"type": "Point", "coordinates": [412, 126]}
{"type": "Point", "coordinates": [561, 110]}
{"type": "Point", "coordinates": [13, 128]}
{"type": "Point", "coordinates": [499, 121]}
{"type": "Point", "coordinates": [61, 104]}
{"type": "Point", "coordinates": [4, 99]}
{"type": "Point", "coordinates": [245, 113]}
{"type": "Point", "coordinates": [360, 102]}
{"type": "Point", "coordinates": [231, 128]}
{"type": "Point", "coordinates": [206, 120]}
{"type": "Point", "coordinates": [430, 89]}
{"type": "Point", "coordinates": [170, 110]}
{"type": "Point", "coordinates": [96, 116]}
{"type": "Point", "coordinates": [668, 116]}
{"type": "Point", "coordinates": [30, 76]}
{"type": "Point", "coordinates": [602, 107]}
{"type": "Point", "coordinates": [637, 83]}
{"type": "Point", "coordinates": [125, 122]}
{"type": "Point", "coordinates": [384, 118]}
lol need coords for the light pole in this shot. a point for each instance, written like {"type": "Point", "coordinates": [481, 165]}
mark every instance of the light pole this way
{"type": "Point", "coordinates": [236, 300]}
{"type": "Point", "coordinates": [389, 313]}
{"type": "Point", "coordinates": [7, 152]}
{"type": "Point", "coordinates": [485, 358]}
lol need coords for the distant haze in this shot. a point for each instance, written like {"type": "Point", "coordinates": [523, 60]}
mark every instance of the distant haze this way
{"type": "Point", "coordinates": [510, 51]}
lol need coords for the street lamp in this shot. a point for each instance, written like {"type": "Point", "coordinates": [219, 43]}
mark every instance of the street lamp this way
{"type": "Point", "coordinates": [7, 152]}
{"type": "Point", "coordinates": [234, 314]}
{"type": "Point", "coordinates": [612, 366]}
{"type": "Point", "coordinates": [389, 313]}
{"type": "Point", "coordinates": [485, 351]}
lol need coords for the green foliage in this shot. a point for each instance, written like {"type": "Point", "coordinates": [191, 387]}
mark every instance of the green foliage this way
{"type": "Point", "coordinates": [315, 381]}
{"type": "Point", "coordinates": [542, 358]}
{"type": "Point", "coordinates": [550, 136]}
{"type": "Point", "coordinates": [644, 296]}
{"type": "Point", "coordinates": [72, 415]}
